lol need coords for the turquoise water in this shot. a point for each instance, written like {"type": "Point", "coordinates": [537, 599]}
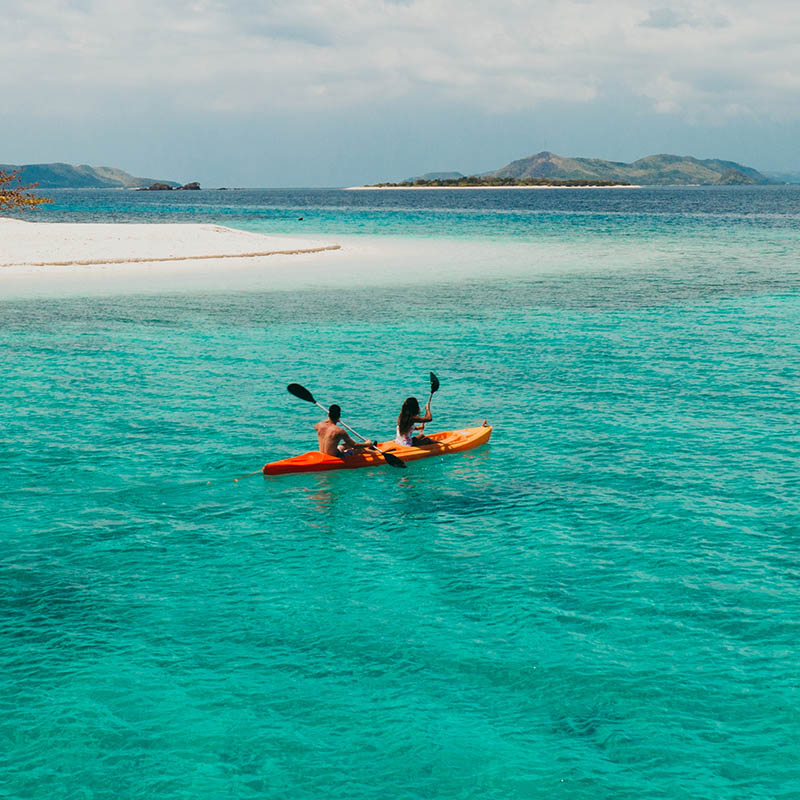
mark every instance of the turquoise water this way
{"type": "Point", "coordinates": [604, 602]}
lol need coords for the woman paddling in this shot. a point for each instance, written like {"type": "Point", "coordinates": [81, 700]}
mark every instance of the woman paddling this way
{"type": "Point", "coordinates": [410, 416]}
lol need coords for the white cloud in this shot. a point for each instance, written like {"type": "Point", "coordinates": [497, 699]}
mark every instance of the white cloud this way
{"type": "Point", "coordinates": [700, 16]}
{"type": "Point", "coordinates": [664, 18]}
{"type": "Point", "coordinates": [693, 59]}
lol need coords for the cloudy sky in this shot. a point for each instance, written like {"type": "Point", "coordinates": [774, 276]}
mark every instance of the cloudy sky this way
{"type": "Point", "coordinates": [335, 92]}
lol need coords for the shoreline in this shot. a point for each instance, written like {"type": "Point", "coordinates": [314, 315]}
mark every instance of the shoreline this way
{"type": "Point", "coordinates": [158, 260]}
{"type": "Point", "coordinates": [472, 188]}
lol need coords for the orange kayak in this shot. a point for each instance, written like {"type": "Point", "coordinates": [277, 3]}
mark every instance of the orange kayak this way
{"type": "Point", "coordinates": [443, 444]}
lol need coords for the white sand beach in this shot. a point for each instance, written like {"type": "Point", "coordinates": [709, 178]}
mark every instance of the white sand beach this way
{"type": "Point", "coordinates": [54, 258]}
{"type": "Point", "coordinates": [58, 244]}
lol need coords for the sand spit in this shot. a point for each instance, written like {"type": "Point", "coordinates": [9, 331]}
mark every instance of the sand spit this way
{"type": "Point", "coordinates": [56, 244]}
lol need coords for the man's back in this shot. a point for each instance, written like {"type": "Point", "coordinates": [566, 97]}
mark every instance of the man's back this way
{"type": "Point", "coordinates": [329, 435]}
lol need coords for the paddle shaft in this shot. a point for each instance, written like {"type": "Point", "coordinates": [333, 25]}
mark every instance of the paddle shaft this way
{"type": "Point", "coordinates": [421, 428]}
{"type": "Point", "coordinates": [434, 388]}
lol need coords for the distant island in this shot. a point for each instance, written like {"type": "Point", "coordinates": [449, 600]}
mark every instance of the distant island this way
{"type": "Point", "coordinates": [783, 177]}
{"type": "Point", "coordinates": [476, 181]}
{"type": "Point", "coordinates": [70, 176]}
{"type": "Point", "coordinates": [549, 169]}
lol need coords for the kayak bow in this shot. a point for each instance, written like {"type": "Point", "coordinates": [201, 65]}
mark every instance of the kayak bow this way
{"type": "Point", "coordinates": [443, 444]}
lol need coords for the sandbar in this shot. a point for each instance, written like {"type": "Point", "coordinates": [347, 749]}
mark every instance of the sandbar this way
{"type": "Point", "coordinates": [111, 259]}
{"type": "Point", "coordinates": [66, 244]}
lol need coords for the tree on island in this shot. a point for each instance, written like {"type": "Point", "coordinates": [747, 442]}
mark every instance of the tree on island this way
{"type": "Point", "coordinates": [16, 197]}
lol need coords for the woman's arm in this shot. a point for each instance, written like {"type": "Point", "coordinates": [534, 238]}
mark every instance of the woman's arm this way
{"type": "Point", "coordinates": [427, 417]}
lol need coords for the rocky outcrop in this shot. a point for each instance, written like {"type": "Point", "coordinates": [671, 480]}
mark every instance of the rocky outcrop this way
{"type": "Point", "coordinates": [160, 186]}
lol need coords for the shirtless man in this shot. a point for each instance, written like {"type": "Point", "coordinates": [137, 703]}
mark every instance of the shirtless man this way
{"type": "Point", "coordinates": [333, 440]}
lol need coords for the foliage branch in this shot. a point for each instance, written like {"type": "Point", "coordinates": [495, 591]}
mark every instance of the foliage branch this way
{"type": "Point", "coordinates": [16, 197]}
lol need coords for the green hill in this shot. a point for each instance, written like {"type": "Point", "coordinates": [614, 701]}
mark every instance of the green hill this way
{"type": "Point", "coordinates": [653, 170]}
{"type": "Point", "coordinates": [69, 176]}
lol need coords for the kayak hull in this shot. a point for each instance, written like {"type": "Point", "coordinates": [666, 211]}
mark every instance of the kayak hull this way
{"type": "Point", "coordinates": [444, 443]}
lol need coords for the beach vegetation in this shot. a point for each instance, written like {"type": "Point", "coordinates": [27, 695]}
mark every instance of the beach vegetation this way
{"type": "Point", "coordinates": [14, 196]}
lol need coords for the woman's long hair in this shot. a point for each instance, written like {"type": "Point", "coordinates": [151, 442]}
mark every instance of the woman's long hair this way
{"type": "Point", "coordinates": [409, 410]}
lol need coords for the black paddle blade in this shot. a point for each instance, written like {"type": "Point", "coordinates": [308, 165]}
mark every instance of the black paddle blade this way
{"type": "Point", "coordinates": [393, 461]}
{"type": "Point", "coordinates": [434, 383]}
{"type": "Point", "coordinates": [300, 391]}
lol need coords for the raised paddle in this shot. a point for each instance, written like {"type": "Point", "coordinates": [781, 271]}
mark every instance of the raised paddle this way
{"type": "Point", "coordinates": [434, 388]}
{"type": "Point", "coordinates": [303, 394]}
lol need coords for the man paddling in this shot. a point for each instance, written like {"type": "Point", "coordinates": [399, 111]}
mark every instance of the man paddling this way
{"type": "Point", "coordinates": [336, 441]}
